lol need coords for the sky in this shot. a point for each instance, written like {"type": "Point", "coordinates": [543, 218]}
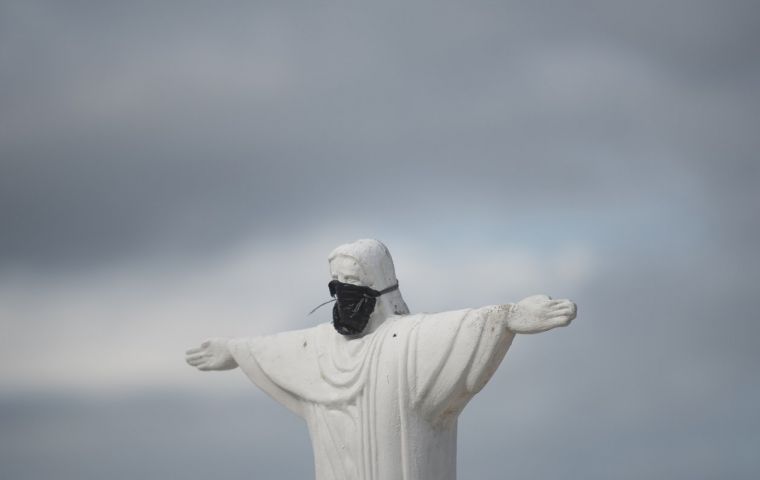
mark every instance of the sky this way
{"type": "Point", "coordinates": [172, 171]}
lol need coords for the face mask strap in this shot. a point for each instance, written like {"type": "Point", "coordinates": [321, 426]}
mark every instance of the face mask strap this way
{"type": "Point", "coordinates": [388, 290]}
{"type": "Point", "coordinates": [333, 292]}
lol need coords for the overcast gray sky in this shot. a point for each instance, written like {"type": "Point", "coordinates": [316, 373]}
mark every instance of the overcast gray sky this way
{"type": "Point", "coordinates": [166, 167]}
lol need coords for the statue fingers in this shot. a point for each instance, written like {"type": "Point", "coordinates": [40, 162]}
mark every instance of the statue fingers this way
{"type": "Point", "coordinates": [562, 320]}
{"type": "Point", "coordinates": [561, 302]}
{"type": "Point", "coordinates": [193, 350]}
{"type": "Point", "coordinates": [201, 357]}
{"type": "Point", "coordinates": [195, 361]}
{"type": "Point", "coordinates": [563, 306]}
{"type": "Point", "coordinates": [195, 356]}
{"type": "Point", "coordinates": [561, 311]}
{"type": "Point", "coordinates": [572, 307]}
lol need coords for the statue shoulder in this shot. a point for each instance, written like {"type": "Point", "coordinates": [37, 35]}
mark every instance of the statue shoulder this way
{"type": "Point", "coordinates": [450, 316]}
{"type": "Point", "coordinates": [277, 342]}
{"type": "Point", "coordinates": [437, 321]}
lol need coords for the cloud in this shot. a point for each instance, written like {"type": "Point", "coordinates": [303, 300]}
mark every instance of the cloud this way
{"type": "Point", "coordinates": [129, 129]}
{"type": "Point", "coordinates": [170, 172]}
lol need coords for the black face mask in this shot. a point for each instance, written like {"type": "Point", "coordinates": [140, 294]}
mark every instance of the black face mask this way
{"type": "Point", "coordinates": [354, 305]}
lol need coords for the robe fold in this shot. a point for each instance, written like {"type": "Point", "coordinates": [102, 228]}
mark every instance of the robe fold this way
{"type": "Point", "coordinates": [383, 406]}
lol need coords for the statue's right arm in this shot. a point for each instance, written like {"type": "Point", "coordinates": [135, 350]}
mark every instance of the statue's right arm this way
{"type": "Point", "coordinates": [219, 354]}
{"type": "Point", "coordinates": [213, 354]}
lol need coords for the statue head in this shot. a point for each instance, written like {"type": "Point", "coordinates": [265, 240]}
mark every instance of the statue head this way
{"type": "Point", "coordinates": [368, 263]}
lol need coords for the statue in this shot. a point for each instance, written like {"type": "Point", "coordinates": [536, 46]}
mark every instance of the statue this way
{"type": "Point", "coordinates": [380, 389]}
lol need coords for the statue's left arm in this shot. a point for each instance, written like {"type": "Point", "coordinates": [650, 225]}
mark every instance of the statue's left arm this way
{"type": "Point", "coordinates": [538, 313]}
{"type": "Point", "coordinates": [457, 353]}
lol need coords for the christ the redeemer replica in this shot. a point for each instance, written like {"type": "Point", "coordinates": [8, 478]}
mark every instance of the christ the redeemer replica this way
{"type": "Point", "coordinates": [381, 389]}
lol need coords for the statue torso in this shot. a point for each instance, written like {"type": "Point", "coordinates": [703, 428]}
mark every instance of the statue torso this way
{"type": "Point", "coordinates": [383, 406]}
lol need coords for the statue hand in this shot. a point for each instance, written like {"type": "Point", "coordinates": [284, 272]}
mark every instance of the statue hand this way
{"type": "Point", "coordinates": [539, 313]}
{"type": "Point", "coordinates": [213, 354]}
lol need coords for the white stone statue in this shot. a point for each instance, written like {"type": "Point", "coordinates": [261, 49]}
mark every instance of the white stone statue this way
{"type": "Point", "coordinates": [380, 389]}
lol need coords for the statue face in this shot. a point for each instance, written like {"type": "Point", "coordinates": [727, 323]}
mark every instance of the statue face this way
{"type": "Point", "coordinates": [347, 270]}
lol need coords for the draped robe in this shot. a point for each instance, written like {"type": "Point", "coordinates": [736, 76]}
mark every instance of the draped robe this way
{"type": "Point", "coordinates": [383, 406]}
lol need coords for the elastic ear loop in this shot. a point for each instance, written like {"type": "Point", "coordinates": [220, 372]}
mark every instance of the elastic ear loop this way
{"type": "Point", "coordinates": [388, 290]}
{"type": "Point", "coordinates": [381, 292]}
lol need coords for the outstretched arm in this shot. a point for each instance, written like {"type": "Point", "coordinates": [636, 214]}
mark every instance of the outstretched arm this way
{"type": "Point", "coordinates": [213, 354]}
{"type": "Point", "coordinates": [539, 313]}
{"type": "Point", "coordinates": [456, 353]}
